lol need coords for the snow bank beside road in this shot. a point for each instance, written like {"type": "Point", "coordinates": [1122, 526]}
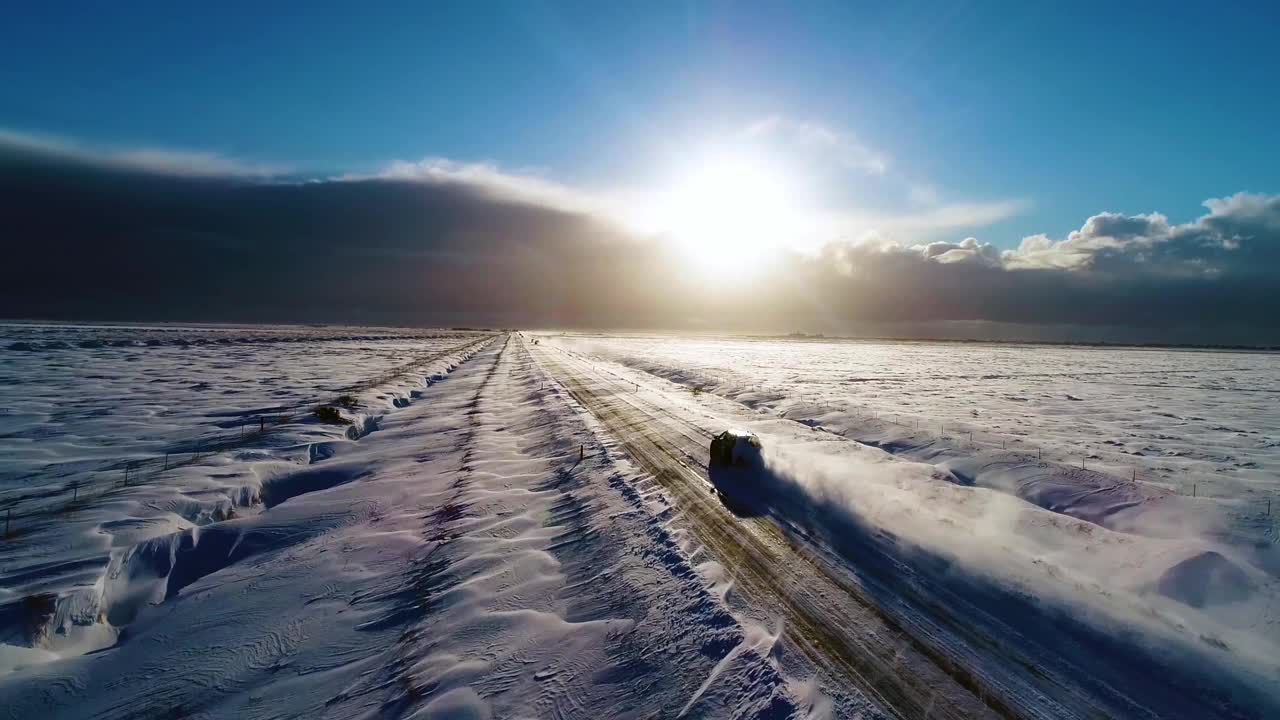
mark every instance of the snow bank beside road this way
{"type": "Point", "coordinates": [1209, 617]}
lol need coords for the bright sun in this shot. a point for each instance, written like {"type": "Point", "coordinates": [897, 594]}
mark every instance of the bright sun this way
{"type": "Point", "coordinates": [727, 215]}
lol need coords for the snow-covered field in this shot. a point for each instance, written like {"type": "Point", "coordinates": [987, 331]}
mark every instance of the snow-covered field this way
{"type": "Point", "coordinates": [505, 526]}
{"type": "Point", "coordinates": [1179, 417]}
{"type": "Point", "coordinates": [112, 435]}
{"type": "Point", "coordinates": [73, 395]}
{"type": "Point", "coordinates": [80, 403]}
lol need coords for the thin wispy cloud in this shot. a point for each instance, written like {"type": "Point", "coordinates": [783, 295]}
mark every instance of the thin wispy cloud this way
{"type": "Point", "coordinates": [912, 208]}
{"type": "Point", "coordinates": [842, 147]}
{"type": "Point", "coordinates": [489, 177]}
{"type": "Point", "coordinates": [942, 216]}
{"type": "Point", "coordinates": [186, 163]}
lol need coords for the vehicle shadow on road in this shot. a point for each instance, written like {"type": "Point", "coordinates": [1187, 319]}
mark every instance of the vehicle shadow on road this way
{"type": "Point", "coordinates": [738, 489]}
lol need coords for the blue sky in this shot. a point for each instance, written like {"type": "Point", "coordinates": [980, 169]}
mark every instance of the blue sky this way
{"type": "Point", "coordinates": [1049, 113]}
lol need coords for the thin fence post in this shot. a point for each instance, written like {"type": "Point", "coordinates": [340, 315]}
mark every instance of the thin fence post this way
{"type": "Point", "coordinates": [262, 424]}
{"type": "Point", "coordinates": [1194, 490]}
{"type": "Point", "coordinates": [1135, 474]}
{"type": "Point", "coordinates": [166, 461]}
{"type": "Point", "coordinates": [75, 492]}
{"type": "Point", "coordinates": [8, 517]}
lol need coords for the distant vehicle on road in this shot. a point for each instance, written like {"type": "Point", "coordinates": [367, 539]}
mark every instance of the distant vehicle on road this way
{"type": "Point", "coordinates": [735, 448]}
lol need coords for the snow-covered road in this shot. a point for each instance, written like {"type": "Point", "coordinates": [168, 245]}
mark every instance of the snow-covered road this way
{"type": "Point", "coordinates": [827, 619]}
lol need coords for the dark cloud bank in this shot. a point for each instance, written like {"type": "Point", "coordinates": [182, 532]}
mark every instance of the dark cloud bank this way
{"type": "Point", "coordinates": [87, 239]}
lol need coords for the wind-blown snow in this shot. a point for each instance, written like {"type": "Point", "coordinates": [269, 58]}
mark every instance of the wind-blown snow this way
{"type": "Point", "coordinates": [1196, 577]}
{"type": "Point", "coordinates": [1181, 417]}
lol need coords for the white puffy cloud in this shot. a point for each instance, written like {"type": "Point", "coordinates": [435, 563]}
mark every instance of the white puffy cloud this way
{"type": "Point", "coordinates": [968, 250]}
{"type": "Point", "coordinates": [1238, 232]}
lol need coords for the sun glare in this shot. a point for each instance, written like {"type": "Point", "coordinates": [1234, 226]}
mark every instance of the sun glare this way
{"type": "Point", "coordinates": [727, 215]}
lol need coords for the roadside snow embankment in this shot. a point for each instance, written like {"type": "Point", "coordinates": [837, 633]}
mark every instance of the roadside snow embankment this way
{"type": "Point", "coordinates": [1188, 604]}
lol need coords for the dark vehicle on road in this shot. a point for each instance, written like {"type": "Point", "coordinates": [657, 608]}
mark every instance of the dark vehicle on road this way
{"type": "Point", "coordinates": [735, 448]}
